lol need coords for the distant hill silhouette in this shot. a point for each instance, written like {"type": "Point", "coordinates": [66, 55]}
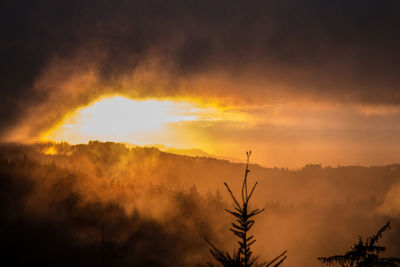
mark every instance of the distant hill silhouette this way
{"type": "Point", "coordinates": [156, 207]}
{"type": "Point", "coordinates": [192, 152]}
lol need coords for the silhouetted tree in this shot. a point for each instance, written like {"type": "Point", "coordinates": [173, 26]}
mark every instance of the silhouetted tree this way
{"type": "Point", "coordinates": [364, 254]}
{"type": "Point", "coordinates": [244, 222]}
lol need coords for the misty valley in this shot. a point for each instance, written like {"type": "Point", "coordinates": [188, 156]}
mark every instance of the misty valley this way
{"type": "Point", "coordinates": [104, 204]}
{"type": "Point", "coordinates": [126, 129]}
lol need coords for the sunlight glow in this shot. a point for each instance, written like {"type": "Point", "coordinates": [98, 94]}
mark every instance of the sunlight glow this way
{"type": "Point", "coordinates": [121, 119]}
{"type": "Point", "coordinates": [122, 116]}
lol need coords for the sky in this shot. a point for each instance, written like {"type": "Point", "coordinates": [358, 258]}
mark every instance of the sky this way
{"type": "Point", "coordinates": [295, 81]}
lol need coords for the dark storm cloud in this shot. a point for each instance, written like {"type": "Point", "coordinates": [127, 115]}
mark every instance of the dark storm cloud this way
{"type": "Point", "coordinates": [329, 50]}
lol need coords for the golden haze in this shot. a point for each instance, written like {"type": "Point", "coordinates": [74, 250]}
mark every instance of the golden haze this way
{"type": "Point", "coordinates": [281, 135]}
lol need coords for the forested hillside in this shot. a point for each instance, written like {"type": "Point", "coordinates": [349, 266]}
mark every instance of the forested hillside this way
{"type": "Point", "coordinates": [104, 203]}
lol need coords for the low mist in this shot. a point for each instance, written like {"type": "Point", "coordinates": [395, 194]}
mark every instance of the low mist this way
{"type": "Point", "coordinates": [104, 203]}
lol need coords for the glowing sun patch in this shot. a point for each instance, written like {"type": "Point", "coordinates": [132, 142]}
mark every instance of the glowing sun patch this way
{"type": "Point", "coordinates": [122, 119]}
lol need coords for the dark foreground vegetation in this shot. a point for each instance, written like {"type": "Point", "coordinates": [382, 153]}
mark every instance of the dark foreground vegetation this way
{"type": "Point", "coordinates": [364, 253]}
{"type": "Point", "coordinates": [244, 221]}
{"type": "Point", "coordinates": [103, 204]}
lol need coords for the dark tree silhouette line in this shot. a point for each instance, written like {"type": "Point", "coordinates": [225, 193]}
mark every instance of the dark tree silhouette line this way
{"type": "Point", "coordinates": [364, 254]}
{"type": "Point", "coordinates": [120, 244]}
{"type": "Point", "coordinates": [244, 221]}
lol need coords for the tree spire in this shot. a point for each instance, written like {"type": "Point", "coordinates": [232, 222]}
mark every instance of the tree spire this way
{"type": "Point", "coordinates": [241, 227]}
